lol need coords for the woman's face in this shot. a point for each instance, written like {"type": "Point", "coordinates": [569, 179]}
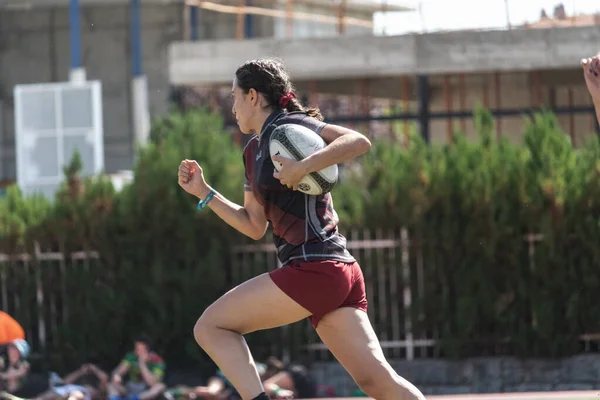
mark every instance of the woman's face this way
{"type": "Point", "coordinates": [243, 107]}
{"type": "Point", "coordinates": [13, 355]}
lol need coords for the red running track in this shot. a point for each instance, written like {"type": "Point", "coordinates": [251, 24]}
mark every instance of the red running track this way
{"type": "Point", "coordinates": [568, 395]}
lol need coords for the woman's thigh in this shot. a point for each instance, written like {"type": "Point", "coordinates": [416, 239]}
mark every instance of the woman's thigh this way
{"type": "Point", "coordinates": [348, 334]}
{"type": "Point", "coordinates": [254, 305]}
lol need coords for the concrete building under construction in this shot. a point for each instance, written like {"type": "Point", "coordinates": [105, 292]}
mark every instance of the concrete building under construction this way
{"type": "Point", "coordinates": [385, 84]}
{"type": "Point", "coordinates": [434, 80]}
{"type": "Point", "coordinates": [117, 41]}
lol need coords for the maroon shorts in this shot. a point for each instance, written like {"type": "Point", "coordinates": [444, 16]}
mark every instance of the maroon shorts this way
{"type": "Point", "coordinates": [322, 286]}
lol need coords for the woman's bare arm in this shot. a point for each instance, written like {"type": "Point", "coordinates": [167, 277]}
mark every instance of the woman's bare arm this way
{"type": "Point", "coordinates": [248, 219]}
{"type": "Point", "coordinates": [591, 73]}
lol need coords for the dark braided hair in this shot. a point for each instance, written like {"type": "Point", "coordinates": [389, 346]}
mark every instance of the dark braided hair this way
{"type": "Point", "coordinates": [269, 77]}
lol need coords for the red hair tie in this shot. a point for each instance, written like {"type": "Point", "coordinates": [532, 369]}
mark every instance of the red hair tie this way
{"type": "Point", "coordinates": [285, 99]}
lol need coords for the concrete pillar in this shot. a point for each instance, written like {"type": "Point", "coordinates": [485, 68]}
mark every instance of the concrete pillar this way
{"type": "Point", "coordinates": [139, 83]}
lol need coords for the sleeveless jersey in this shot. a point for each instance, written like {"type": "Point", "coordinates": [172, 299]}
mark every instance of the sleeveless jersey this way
{"type": "Point", "coordinates": [305, 227]}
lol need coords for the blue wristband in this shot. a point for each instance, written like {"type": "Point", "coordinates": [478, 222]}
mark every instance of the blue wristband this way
{"type": "Point", "coordinates": [203, 203]}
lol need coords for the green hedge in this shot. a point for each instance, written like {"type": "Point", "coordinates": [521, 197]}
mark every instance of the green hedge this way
{"type": "Point", "coordinates": [162, 262]}
{"type": "Point", "coordinates": [468, 208]}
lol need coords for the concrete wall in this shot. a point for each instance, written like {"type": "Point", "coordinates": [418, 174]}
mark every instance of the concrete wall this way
{"type": "Point", "coordinates": [485, 375]}
{"type": "Point", "coordinates": [512, 91]}
{"type": "Point", "coordinates": [358, 57]}
{"type": "Point", "coordinates": [34, 47]}
{"type": "Point", "coordinates": [502, 69]}
{"type": "Point", "coordinates": [453, 93]}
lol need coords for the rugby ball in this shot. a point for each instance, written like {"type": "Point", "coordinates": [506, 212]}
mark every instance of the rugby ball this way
{"type": "Point", "coordinates": [298, 142]}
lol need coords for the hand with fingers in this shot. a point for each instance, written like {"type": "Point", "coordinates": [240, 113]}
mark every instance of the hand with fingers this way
{"type": "Point", "coordinates": [591, 73]}
{"type": "Point", "coordinates": [291, 172]}
{"type": "Point", "coordinates": [191, 178]}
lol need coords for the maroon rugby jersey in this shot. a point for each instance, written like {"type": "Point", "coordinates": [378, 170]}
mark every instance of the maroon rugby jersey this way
{"type": "Point", "coordinates": [304, 226]}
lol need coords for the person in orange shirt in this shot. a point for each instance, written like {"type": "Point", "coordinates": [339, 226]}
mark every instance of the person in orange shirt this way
{"type": "Point", "coordinates": [10, 329]}
{"type": "Point", "coordinates": [13, 366]}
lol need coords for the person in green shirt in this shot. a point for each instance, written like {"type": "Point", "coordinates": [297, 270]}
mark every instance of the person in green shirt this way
{"type": "Point", "coordinates": [139, 375]}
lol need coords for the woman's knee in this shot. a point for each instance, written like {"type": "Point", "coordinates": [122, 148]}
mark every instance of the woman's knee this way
{"type": "Point", "coordinates": [209, 326]}
{"type": "Point", "coordinates": [204, 329]}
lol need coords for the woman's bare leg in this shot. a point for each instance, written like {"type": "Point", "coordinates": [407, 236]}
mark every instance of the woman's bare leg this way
{"type": "Point", "coordinates": [348, 334]}
{"type": "Point", "coordinates": [254, 305]}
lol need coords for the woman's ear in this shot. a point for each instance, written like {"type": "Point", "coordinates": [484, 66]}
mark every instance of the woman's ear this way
{"type": "Point", "coordinates": [254, 97]}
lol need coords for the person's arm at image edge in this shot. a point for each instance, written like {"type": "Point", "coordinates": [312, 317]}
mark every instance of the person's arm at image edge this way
{"type": "Point", "coordinates": [591, 73]}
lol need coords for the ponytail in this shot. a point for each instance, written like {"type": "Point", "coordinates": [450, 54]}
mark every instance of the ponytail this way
{"type": "Point", "coordinates": [269, 77]}
{"type": "Point", "coordinates": [290, 103]}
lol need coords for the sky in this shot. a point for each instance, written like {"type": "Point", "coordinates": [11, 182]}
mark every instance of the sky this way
{"type": "Point", "coordinates": [474, 14]}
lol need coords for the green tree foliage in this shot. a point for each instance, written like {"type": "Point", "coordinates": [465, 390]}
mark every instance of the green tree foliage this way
{"type": "Point", "coordinates": [162, 262]}
{"type": "Point", "coordinates": [468, 207]}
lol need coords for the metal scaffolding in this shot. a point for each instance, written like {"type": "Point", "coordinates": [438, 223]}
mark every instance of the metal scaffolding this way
{"type": "Point", "coordinates": [336, 12]}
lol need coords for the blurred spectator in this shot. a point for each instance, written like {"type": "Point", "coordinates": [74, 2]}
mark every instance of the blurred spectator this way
{"type": "Point", "coordinates": [68, 387]}
{"type": "Point", "coordinates": [217, 388]}
{"type": "Point", "coordinates": [14, 368]}
{"type": "Point", "coordinates": [143, 371]}
{"type": "Point", "coordinates": [285, 381]}
{"type": "Point", "coordinates": [10, 329]}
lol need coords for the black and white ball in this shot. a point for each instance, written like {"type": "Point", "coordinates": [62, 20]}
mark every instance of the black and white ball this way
{"type": "Point", "coordinates": [297, 142]}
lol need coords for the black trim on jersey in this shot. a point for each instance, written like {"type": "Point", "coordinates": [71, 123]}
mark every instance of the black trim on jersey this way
{"type": "Point", "coordinates": [313, 231]}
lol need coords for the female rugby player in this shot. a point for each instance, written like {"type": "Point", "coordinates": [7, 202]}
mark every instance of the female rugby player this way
{"type": "Point", "coordinates": [319, 278]}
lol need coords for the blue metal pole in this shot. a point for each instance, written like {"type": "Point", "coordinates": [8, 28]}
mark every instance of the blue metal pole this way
{"type": "Point", "coordinates": [249, 33]}
{"type": "Point", "coordinates": [136, 37]}
{"type": "Point", "coordinates": [75, 34]}
{"type": "Point", "coordinates": [194, 23]}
